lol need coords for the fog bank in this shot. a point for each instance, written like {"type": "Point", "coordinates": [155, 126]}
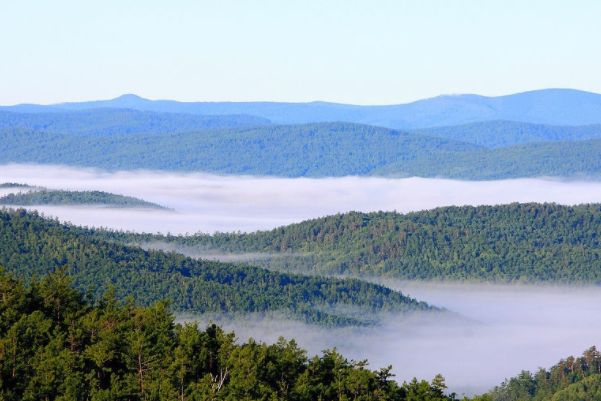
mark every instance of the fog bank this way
{"type": "Point", "coordinates": [520, 328]}
{"type": "Point", "coordinates": [209, 203]}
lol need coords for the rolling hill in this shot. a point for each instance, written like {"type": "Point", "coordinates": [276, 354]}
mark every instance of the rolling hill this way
{"type": "Point", "coordinates": [35, 246]}
{"type": "Point", "coordinates": [42, 196]}
{"type": "Point", "coordinates": [533, 243]}
{"type": "Point", "coordinates": [311, 150]}
{"type": "Point", "coordinates": [308, 150]}
{"type": "Point", "coordinates": [121, 121]}
{"type": "Point", "coordinates": [494, 134]}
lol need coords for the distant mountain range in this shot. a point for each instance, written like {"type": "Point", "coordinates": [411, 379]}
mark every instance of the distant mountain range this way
{"type": "Point", "coordinates": [552, 133]}
{"type": "Point", "coordinates": [548, 106]}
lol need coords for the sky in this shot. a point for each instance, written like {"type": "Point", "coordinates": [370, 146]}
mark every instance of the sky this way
{"type": "Point", "coordinates": [359, 52]}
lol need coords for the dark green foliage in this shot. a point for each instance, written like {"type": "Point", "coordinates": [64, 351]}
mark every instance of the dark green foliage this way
{"type": "Point", "coordinates": [570, 379]}
{"type": "Point", "coordinates": [60, 197]}
{"type": "Point", "coordinates": [32, 245]}
{"type": "Point", "coordinates": [505, 243]}
{"type": "Point", "coordinates": [56, 346]}
{"type": "Point", "coordinates": [495, 134]}
{"type": "Point", "coordinates": [588, 389]}
{"type": "Point", "coordinates": [121, 122]}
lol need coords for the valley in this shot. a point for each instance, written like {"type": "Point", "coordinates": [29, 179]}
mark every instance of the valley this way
{"type": "Point", "coordinates": [417, 247]}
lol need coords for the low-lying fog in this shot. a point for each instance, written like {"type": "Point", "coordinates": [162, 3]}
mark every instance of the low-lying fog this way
{"type": "Point", "coordinates": [210, 203]}
{"type": "Point", "coordinates": [522, 327]}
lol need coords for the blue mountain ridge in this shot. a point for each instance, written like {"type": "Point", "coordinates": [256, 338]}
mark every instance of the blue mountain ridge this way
{"type": "Point", "coordinates": [547, 106]}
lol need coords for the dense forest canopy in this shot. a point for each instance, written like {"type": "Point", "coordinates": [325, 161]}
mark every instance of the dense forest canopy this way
{"type": "Point", "coordinates": [309, 150]}
{"type": "Point", "coordinates": [507, 133]}
{"type": "Point", "coordinates": [530, 242]}
{"type": "Point", "coordinates": [121, 122]}
{"type": "Point", "coordinates": [42, 196]}
{"type": "Point", "coordinates": [57, 345]}
{"type": "Point", "coordinates": [312, 150]}
{"type": "Point", "coordinates": [34, 246]}
{"type": "Point", "coordinates": [571, 379]}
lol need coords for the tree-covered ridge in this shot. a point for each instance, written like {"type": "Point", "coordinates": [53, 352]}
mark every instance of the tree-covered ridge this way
{"type": "Point", "coordinates": [509, 133]}
{"type": "Point", "coordinates": [578, 159]}
{"type": "Point", "coordinates": [571, 379]}
{"type": "Point", "coordinates": [32, 245]}
{"type": "Point", "coordinates": [14, 185]}
{"type": "Point", "coordinates": [62, 197]}
{"type": "Point", "coordinates": [122, 122]}
{"type": "Point", "coordinates": [311, 150]}
{"type": "Point", "coordinates": [57, 345]}
{"type": "Point", "coordinates": [527, 242]}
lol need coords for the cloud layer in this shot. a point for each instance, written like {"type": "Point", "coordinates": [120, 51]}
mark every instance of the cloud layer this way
{"type": "Point", "coordinates": [513, 328]}
{"type": "Point", "coordinates": [518, 327]}
{"type": "Point", "coordinates": [211, 203]}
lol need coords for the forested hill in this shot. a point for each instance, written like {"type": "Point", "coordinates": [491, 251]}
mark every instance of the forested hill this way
{"type": "Point", "coordinates": [56, 345]}
{"type": "Point", "coordinates": [32, 245]}
{"type": "Point", "coordinates": [509, 133]}
{"type": "Point", "coordinates": [571, 379]}
{"type": "Point", "coordinates": [548, 106]}
{"type": "Point", "coordinates": [122, 121]}
{"type": "Point", "coordinates": [571, 160]}
{"type": "Point", "coordinates": [13, 185]}
{"type": "Point", "coordinates": [312, 150]}
{"type": "Point", "coordinates": [61, 197]}
{"type": "Point", "coordinates": [542, 243]}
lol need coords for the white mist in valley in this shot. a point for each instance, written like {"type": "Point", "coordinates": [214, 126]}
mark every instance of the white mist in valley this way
{"type": "Point", "coordinates": [519, 327]}
{"type": "Point", "coordinates": [209, 203]}
{"type": "Point", "coordinates": [514, 328]}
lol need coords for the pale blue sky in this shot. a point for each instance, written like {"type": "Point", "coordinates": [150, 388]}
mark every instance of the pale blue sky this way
{"type": "Point", "coordinates": [361, 52]}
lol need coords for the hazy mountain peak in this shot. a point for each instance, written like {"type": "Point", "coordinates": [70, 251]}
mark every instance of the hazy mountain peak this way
{"type": "Point", "coordinates": [128, 100]}
{"type": "Point", "coordinates": [129, 96]}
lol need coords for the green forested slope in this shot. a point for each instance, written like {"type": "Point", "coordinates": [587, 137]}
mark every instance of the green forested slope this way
{"type": "Point", "coordinates": [552, 159]}
{"type": "Point", "coordinates": [509, 133]}
{"type": "Point", "coordinates": [56, 346]}
{"type": "Point", "coordinates": [504, 243]}
{"type": "Point", "coordinates": [311, 150]}
{"type": "Point", "coordinates": [32, 245]}
{"type": "Point", "coordinates": [571, 379]}
{"type": "Point", "coordinates": [121, 121]}
{"type": "Point", "coordinates": [61, 197]}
